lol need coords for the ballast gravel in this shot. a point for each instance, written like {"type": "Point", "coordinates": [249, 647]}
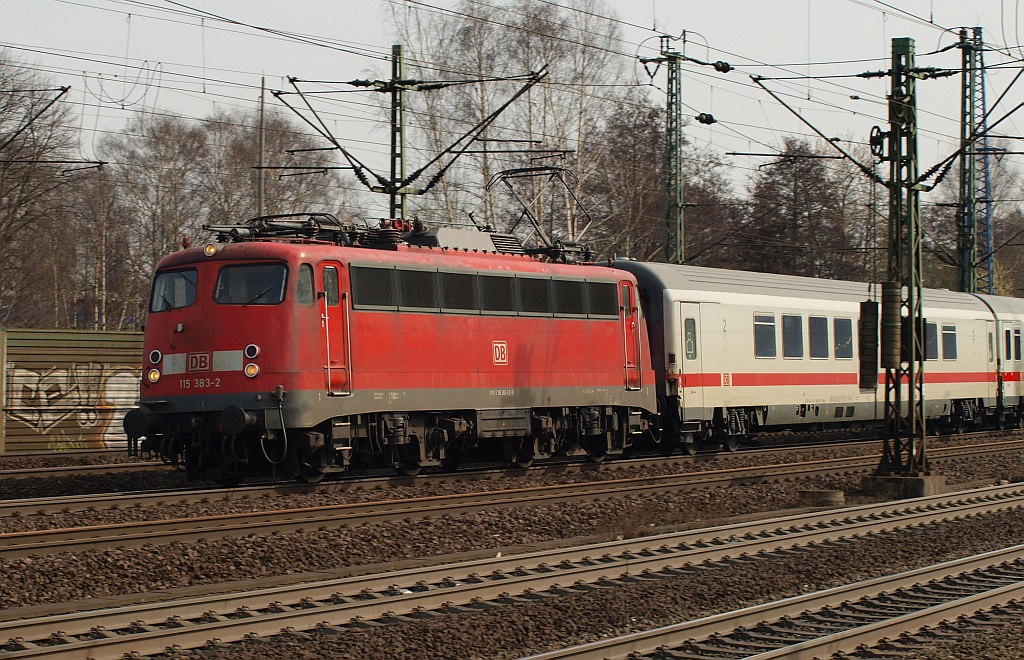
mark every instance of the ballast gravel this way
{"type": "Point", "coordinates": [515, 629]}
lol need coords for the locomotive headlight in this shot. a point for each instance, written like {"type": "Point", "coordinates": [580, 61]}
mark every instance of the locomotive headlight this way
{"type": "Point", "coordinates": [155, 356]}
{"type": "Point", "coordinates": [153, 375]}
{"type": "Point", "coordinates": [252, 369]}
{"type": "Point", "coordinates": [251, 351]}
{"type": "Point", "coordinates": [210, 249]}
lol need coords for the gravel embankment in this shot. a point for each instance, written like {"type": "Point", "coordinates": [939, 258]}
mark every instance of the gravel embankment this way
{"type": "Point", "coordinates": [514, 629]}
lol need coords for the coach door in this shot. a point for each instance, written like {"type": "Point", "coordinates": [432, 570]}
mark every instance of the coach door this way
{"type": "Point", "coordinates": [629, 314]}
{"type": "Point", "coordinates": [691, 367]}
{"type": "Point", "coordinates": [334, 321]}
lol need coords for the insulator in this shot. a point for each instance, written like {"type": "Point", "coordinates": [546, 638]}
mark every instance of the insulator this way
{"type": "Point", "coordinates": [706, 118]}
{"type": "Point", "coordinates": [722, 67]}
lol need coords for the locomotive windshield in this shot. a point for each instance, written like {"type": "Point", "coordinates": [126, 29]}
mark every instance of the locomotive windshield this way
{"type": "Point", "coordinates": [251, 284]}
{"type": "Point", "coordinates": [173, 289]}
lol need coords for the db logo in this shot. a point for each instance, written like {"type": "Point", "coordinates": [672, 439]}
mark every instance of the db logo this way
{"type": "Point", "coordinates": [499, 351]}
{"type": "Point", "coordinates": [198, 361]}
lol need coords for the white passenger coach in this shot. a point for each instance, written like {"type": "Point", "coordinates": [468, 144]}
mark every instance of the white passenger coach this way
{"type": "Point", "coordinates": [739, 352]}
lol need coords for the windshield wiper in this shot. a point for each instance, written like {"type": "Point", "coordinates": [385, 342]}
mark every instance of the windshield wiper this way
{"type": "Point", "coordinates": [257, 296]}
{"type": "Point", "coordinates": [167, 303]}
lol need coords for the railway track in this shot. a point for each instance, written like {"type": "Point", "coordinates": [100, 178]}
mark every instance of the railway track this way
{"type": "Point", "coordinates": [111, 628]}
{"type": "Point", "coordinates": [832, 621]}
{"type": "Point", "coordinates": [136, 534]}
{"type": "Point", "coordinates": [69, 470]}
{"type": "Point", "coordinates": [71, 503]}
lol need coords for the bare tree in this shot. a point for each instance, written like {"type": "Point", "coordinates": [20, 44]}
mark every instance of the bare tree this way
{"type": "Point", "coordinates": [158, 161]}
{"type": "Point", "coordinates": [229, 184]}
{"type": "Point", "coordinates": [486, 42]}
{"type": "Point", "coordinates": [33, 131]}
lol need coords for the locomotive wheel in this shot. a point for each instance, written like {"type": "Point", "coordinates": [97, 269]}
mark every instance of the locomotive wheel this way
{"type": "Point", "coordinates": [522, 460]}
{"type": "Point", "coordinates": [409, 468]}
{"type": "Point", "coordinates": [522, 454]}
{"type": "Point", "coordinates": [666, 445]}
{"type": "Point", "coordinates": [597, 450]}
{"type": "Point", "coordinates": [310, 474]}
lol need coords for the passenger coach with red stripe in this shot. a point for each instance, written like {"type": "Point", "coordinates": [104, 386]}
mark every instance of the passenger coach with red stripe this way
{"type": "Point", "coordinates": [742, 352]}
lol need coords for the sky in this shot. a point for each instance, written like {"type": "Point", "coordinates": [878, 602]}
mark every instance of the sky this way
{"type": "Point", "coordinates": [191, 57]}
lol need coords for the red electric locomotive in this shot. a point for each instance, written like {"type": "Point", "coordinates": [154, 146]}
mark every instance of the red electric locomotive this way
{"type": "Point", "coordinates": [295, 346]}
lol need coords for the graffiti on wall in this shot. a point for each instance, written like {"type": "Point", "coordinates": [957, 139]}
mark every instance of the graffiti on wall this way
{"type": "Point", "coordinates": [76, 406]}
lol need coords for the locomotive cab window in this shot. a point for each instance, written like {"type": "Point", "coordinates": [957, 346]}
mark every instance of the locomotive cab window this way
{"type": "Point", "coordinates": [304, 286]}
{"type": "Point", "coordinates": [843, 331]}
{"type": "Point", "coordinates": [931, 341]}
{"type": "Point", "coordinates": [627, 302]}
{"type": "Point", "coordinates": [817, 327]}
{"type": "Point", "coordinates": [948, 342]}
{"type": "Point", "coordinates": [173, 289]}
{"type": "Point", "coordinates": [792, 336]}
{"type": "Point", "coordinates": [331, 289]}
{"type": "Point", "coordinates": [764, 336]}
{"type": "Point", "coordinates": [251, 284]}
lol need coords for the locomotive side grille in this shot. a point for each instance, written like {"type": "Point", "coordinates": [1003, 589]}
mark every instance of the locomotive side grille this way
{"type": "Point", "coordinates": [507, 243]}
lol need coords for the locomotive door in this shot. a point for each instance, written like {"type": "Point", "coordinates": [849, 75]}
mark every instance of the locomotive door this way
{"type": "Point", "coordinates": [629, 315]}
{"type": "Point", "coordinates": [334, 321]}
{"type": "Point", "coordinates": [691, 366]}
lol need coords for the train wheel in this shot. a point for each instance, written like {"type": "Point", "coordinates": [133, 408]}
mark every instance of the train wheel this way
{"type": "Point", "coordinates": [409, 468]}
{"type": "Point", "coordinates": [731, 443]}
{"type": "Point", "coordinates": [523, 452]}
{"type": "Point", "coordinates": [522, 460]}
{"type": "Point", "coordinates": [310, 474]}
{"type": "Point", "coordinates": [688, 445]}
{"type": "Point", "coordinates": [597, 450]}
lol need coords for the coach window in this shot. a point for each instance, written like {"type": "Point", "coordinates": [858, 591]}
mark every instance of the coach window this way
{"type": "Point", "coordinates": [331, 286]}
{"type": "Point", "coordinates": [843, 330]}
{"type": "Point", "coordinates": [304, 287]}
{"type": "Point", "coordinates": [1016, 344]}
{"type": "Point", "coordinates": [1008, 353]}
{"type": "Point", "coordinates": [991, 348]}
{"type": "Point", "coordinates": [173, 289]}
{"type": "Point", "coordinates": [948, 342]}
{"type": "Point", "coordinates": [792, 336]}
{"type": "Point", "coordinates": [764, 335]}
{"type": "Point", "coordinates": [690, 338]}
{"type": "Point", "coordinates": [931, 341]}
{"type": "Point", "coordinates": [817, 326]}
